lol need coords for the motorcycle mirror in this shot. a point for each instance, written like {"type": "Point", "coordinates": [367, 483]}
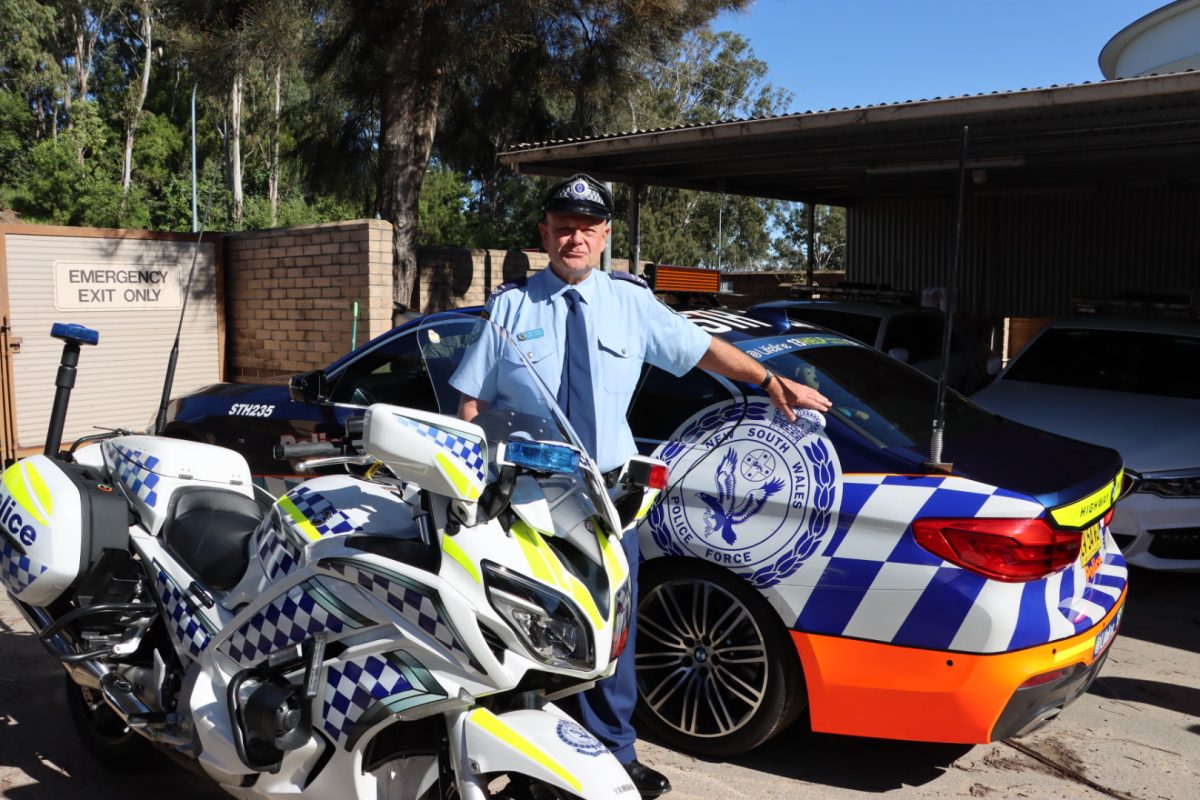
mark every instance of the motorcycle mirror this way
{"type": "Point", "coordinates": [309, 387]}
{"type": "Point", "coordinates": [642, 478]}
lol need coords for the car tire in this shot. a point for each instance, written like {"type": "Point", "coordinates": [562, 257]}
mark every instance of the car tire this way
{"type": "Point", "coordinates": [104, 734]}
{"type": "Point", "coordinates": [703, 630]}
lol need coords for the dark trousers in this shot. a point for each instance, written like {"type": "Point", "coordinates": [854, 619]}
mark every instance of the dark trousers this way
{"type": "Point", "coordinates": [607, 708]}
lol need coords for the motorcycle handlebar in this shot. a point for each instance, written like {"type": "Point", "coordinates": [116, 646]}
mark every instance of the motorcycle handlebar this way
{"type": "Point", "coordinates": [286, 452]}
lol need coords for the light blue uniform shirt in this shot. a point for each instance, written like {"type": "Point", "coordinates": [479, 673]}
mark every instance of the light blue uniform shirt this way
{"type": "Point", "coordinates": [626, 325]}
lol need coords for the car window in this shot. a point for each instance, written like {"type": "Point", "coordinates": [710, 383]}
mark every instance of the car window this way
{"type": "Point", "coordinates": [860, 326]}
{"type": "Point", "coordinates": [886, 401]}
{"type": "Point", "coordinates": [1124, 361]}
{"type": "Point", "coordinates": [665, 402]}
{"type": "Point", "coordinates": [393, 372]}
{"type": "Point", "coordinates": [919, 334]}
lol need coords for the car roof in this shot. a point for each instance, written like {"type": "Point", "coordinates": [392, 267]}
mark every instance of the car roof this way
{"type": "Point", "coordinates": [877, 310]}
{"type": "Point", "coordinates": [1129, 324]}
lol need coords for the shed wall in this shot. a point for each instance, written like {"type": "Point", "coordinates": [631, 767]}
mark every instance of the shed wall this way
{"type": "Point", "coordinates": [120, 381]}
{"type": "Point", "coordinates": [1029, 255]}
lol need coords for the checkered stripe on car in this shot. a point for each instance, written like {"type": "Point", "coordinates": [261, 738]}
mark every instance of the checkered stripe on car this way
{"type": "Point", "coordinates": [468, 451]}
{"type": "Point", "coordinates": [287, 620]}
{"type": "Point", "coordinates": [17, 569]}
{"type": "Point", "coordinates": [187, 625]}
{"type": "Point", "coordinates": [921, 600]}
{"type": "Point", "coordinates": [323, 515]}
{"type": "Point", "coordinates": [417, 604]}
{"type": "Point", "coordinates": [277, 550]}
{"type": "Point", "coordinates": [361, 692]}
{"type": "Point", "coordinates": [135, 469]}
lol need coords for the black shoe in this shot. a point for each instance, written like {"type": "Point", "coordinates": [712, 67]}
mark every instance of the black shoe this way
{"type": "Point", "coordinates": [649, 782]}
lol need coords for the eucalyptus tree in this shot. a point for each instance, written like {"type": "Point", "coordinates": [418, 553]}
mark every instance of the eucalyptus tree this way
{"type": "Point", "coordinates": [518, 68]}
{"type": "Point", "coordinates": [710, 77]}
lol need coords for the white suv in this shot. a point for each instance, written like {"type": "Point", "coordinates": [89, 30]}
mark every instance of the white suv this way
{"type": "Point", "coordinates": [1132, 384]}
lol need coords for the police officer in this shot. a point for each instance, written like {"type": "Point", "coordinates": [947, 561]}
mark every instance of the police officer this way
{"type": "Point", "coordinates": [587, 333]}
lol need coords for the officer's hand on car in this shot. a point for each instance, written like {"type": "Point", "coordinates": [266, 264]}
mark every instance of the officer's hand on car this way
{"type": "Point", "coordinates": [787, 395]}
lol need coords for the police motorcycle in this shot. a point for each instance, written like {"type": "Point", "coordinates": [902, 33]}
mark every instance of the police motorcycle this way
{"type": "Point", "coordinates": [401, 630]}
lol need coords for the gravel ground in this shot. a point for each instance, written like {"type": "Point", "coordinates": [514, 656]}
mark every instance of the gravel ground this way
{"type": "Point", "coordinates": [1136, 734]}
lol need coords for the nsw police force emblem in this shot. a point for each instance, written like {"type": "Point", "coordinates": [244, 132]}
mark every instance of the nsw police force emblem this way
{"type": "Point", "coordinates": [750, 491]}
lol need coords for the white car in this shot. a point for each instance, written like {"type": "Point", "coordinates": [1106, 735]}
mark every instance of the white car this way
{"type": "Point", "coordinates": [1132, 384]}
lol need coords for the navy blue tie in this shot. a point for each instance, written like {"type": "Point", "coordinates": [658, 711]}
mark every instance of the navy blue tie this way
{"type": "Point", "coordinates": [575, 388]}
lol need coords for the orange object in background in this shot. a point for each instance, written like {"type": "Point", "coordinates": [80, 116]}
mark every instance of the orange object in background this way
{"type": "Point", "coordinates": [932, 695]}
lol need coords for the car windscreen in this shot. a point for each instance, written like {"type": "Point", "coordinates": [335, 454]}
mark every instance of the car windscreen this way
{"type": "Point", "coordinates": [1123, 361]}
{"type": "Point", "coordinates": [860, 326]}
{"type": "Point", "coordinates": [888, 402]}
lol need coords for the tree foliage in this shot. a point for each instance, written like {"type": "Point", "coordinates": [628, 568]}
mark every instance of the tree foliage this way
{"type": "Point", "coordinates": [315, 110]}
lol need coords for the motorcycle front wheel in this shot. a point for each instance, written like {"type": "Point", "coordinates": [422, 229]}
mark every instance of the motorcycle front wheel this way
{"type": "Point", "coordinates": [104, 734]}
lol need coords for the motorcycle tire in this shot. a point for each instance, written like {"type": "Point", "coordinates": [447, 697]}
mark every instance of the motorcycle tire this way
{"type": "Point", "coordinates": [718, 674]}
{"type": "Point", "coordinates": [104, 734]}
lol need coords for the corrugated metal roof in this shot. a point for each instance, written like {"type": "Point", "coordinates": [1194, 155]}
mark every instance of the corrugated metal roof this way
{"type": "Point", "coordinates": [811, 112]}
{"type": "Point", "coordinates": [1118, 131]}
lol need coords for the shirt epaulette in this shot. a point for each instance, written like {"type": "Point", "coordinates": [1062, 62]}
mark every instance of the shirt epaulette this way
{"type": "Point", "coordinates": [630, 277]}
{"type": "Point", "coordinates": [504, 287]}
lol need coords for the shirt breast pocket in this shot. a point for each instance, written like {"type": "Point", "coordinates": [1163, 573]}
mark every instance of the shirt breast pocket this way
{"type": "Point", "coordinates": [539, 354]}
{"type": "Point", "coordinates": [620, 364]}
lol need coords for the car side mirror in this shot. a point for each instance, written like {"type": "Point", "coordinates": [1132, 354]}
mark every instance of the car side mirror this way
{"type": "Point", "coordinates": [899, 353]}
{"type": "Point", "coordinates": [309, 387]}
{"type": "Point", "coordinates": [994, 366]}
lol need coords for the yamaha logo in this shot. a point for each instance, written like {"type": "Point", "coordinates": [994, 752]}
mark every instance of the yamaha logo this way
{"type": "Point", "coordinates": [756, 493]}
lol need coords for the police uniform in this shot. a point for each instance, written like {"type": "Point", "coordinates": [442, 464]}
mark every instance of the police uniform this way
{"type": "Point", "coordinates": [626, 326]}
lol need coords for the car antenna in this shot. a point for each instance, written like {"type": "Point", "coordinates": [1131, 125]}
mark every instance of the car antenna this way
{"type": "Point", "coordinates": [160, 419]}
{"type": "Point", "coordinates": [939, 407]}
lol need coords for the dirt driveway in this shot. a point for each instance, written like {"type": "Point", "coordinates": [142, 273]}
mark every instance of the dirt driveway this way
{"type": "Point", "coordinates": [1135, 735]}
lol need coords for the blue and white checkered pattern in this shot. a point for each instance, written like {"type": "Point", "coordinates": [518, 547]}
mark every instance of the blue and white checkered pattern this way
{"type": "Point", "coordinates": [135, 469]}
{"type": "Point", "coordinates": [466, 450]}
{"type": "Point", "coordinates": [278, 553]}
{"type": "Point", "coordinates": [189, 628]}
{"type": "Point", "coordinates": [352, 687]}
{"type": "Point", "coordinates": [286, 621]}
{"type": "Point", "coordinates": [416, 604]}
{"type": "Point", "coordinates": [17, 571]}
{"type": "Point", "coordinates": [320, 512]}
{"type": "Point", "coordinates": [875, 582]}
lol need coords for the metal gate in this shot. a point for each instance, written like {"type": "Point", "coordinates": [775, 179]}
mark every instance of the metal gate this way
{"type": "Point", "coordinates": [8, 343]}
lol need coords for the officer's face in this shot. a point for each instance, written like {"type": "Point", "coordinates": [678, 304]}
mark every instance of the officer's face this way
{"type": "Point", "coordinates": [574, 243]}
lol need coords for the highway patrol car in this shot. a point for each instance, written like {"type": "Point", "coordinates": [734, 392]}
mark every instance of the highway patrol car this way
{"type": "Point", "coordinates": [820, 565]}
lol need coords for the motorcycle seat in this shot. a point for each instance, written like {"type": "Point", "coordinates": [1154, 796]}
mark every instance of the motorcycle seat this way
{"type": "Point", "coordinates": [207, 531]}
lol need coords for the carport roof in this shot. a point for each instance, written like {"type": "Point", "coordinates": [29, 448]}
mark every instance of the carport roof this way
{"type": "Point", "coordinates": [1119, 133]}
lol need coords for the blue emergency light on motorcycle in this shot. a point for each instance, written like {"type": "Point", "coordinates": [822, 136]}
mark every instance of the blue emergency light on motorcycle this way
{"type": "Point", "coordinates": [542, 456]}
{"type": "Point", "coordinates": [71, 332]}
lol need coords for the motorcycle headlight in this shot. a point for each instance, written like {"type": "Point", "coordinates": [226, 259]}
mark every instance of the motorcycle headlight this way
{"type": "Point", "coordinates": [546, 622]}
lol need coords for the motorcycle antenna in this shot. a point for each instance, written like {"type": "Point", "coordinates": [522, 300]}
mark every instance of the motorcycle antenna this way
{"type": "Point", "coordinates": [160, 419]}
{"type": "Point", "coordinates": [939, 408]}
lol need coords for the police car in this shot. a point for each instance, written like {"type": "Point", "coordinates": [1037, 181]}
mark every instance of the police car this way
{"type": "Point", "coordinates": [817, 566]}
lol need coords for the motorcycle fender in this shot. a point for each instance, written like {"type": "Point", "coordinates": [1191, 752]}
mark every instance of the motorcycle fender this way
{"type": "Point", "coordinates": [546, 746]}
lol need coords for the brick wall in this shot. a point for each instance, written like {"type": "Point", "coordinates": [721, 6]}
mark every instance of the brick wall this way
{"type": "Point", "coordinates": [290, 295]}
{"type": "Point", "coordinates": [290, 292]}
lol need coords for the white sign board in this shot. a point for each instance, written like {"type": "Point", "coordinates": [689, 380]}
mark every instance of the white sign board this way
{"type": "Point", "coordinates": [116, 287]}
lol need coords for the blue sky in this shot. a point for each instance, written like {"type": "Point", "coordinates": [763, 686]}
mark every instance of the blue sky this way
{"type": "Point", "coordinates": [836, 53]}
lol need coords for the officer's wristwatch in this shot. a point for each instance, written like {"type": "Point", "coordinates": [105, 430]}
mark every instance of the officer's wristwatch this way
{"type": "Point", "coordinates": [766, 381]}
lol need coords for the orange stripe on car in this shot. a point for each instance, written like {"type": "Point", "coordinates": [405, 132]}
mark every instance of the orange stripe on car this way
{"type": "Point", "coordinates": [864, 688]}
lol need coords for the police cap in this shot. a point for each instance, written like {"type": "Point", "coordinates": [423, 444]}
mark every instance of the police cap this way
{"type": "Point", "coordinates": [579, 194]}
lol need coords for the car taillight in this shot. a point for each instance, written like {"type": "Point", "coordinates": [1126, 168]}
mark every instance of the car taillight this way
{"type": "Point", "coordinates": [1011, 550]}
